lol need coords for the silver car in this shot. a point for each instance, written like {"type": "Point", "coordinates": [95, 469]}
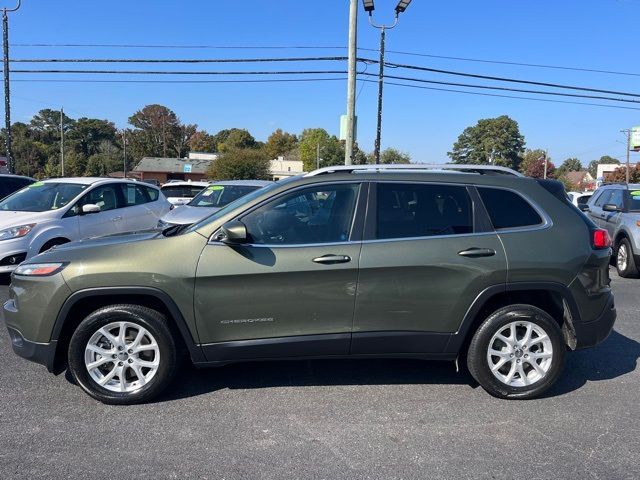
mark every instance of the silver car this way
{"type": "Point", "coordinates": [616, 208]}
{"type": "Point", "coordinates": [210, 200]}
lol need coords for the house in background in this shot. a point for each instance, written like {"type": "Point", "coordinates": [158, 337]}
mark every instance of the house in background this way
{"type": "Point", "coordinates": [582, 180]}
{"type": "Point", "coordinates": [194, 167]}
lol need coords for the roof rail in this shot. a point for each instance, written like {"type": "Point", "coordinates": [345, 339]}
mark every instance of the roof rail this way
{"type": "Point", "coordinates": [466, 168]}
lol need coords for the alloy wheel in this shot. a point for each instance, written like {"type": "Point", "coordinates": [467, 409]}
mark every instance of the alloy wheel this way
{"type": "Point", "coordinates": [520, 354]}
{"type": "Point", "coordinates": [122, 357]}
{"type": "Point", "coordinates": [622, 259]}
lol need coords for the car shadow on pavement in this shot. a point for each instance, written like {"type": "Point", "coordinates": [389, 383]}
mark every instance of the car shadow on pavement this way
{"type": "Point", "coordinates": [191, 381]}
{"type": "Point", "coordinates": [616, 356]}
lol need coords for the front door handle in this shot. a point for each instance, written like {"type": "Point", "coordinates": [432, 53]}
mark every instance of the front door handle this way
{"type": "Point", "coordinates": [116, 219]}
{"type": "Point", "coordinates": [602, 215]}
{"type": "Point", "coordinates": [477, 252]}
{"type": "Point", "coordinates": [332, 259]}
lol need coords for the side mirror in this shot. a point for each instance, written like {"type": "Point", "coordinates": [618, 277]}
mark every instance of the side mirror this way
{"type": "Point", "coordinates": [584, 207]}
{"type": "Point", "coordinates": [233, 233]}
{"type": "Point", "coordinates": [610, 207]}
{"type": "Point", "coordinates": [90, 208]}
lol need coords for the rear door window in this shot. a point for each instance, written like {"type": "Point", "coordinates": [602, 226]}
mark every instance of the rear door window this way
{"type": "Point", "coordinates": [406, 210]}
{"type": "Point", "coordinates": [507, 209]}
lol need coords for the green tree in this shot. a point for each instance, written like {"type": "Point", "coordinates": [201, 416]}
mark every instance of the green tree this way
{"type": "Point", "coordinates": [107, 160]}
{"type": "Point", "coordinates": [392, 155]}
{"type": "Point", "coordinates": [569, 165]}
{"type": "Point", "coordinates": [46, 125]}
{"type": "Point", "coordinates": [593, 165]}
{"type": "Point", "coordinates": [240, 164]}
{"type": "Point", "coordinates": [236, 139]}
{"type": "Point", "coordinates": [280, 143]}
{"type": "Point", "coordinates": [331, 149]}
{"type": "Point", "coordinates": [494, 141]}
{"type": "Point", "coordinates": [529, 158]}
{"type": "Point", "coordinates": [87, 134]}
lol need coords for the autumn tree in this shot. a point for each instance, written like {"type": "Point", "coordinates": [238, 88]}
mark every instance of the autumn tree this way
{"type": "Point", "coordinates": [492, 141]}
{"type": "Point", "coordinates": [201, 141]}
{"type": "Point", "coordinates": [158, 132]}
{"type": "Point", "coordinates": [279, 143]}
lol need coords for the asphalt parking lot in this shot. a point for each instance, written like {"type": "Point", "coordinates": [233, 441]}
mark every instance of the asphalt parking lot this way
{"type": "Point", "coordinates": [333, 419]}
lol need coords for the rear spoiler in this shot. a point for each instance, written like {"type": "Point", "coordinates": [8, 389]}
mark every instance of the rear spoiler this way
{"type": "Point", "coordinates": [554, 187]}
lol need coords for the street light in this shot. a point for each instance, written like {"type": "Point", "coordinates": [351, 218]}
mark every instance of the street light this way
{"type": "Point", "coordinates": [369, 7]}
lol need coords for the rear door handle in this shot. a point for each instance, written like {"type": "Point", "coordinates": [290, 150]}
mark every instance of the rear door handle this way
{"type": "Point", "coordinates": [331, 259]}
{"type": "Point", "coordinates": [116, 219]}
{"type": "Point", "coordinates": [477, 252]}
{"type": "Point", "coordinates": [602, 215]}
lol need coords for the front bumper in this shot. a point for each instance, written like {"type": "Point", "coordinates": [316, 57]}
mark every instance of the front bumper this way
{"type": "Point", "coordinates": [592, 333]}
{"type": "Point", "coordinates": [42, 353]}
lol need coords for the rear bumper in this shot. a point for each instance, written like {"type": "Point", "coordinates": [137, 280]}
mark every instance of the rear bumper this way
{"type": "Point", "coordinates": [42, 353]}
{"type": "Point", "coordinates": [592, 333]}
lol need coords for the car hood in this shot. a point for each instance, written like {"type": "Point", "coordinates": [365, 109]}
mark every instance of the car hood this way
{"type": "Point", "coordinates": [10, 219]}
{"type": "Point", "coordinates": [109, 240]}
{"type": "Point", "coordinates": [186, 215]}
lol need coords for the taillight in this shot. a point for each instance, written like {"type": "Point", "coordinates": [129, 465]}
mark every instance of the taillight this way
{"type": "Point", "coordinates": [601, 239]}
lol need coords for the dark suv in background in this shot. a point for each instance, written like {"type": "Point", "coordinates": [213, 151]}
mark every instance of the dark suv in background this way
{"type": "Point", "coordinates": [460, 263]}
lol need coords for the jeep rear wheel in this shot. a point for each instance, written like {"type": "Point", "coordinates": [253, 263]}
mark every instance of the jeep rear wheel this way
{"type": "Point", "coordinates": [123, 354]}
{"type": "Point", "coordinates": [517, 352]}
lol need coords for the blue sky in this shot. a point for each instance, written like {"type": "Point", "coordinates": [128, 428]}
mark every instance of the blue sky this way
{"type": "Point", "coordinates": [425, 123]}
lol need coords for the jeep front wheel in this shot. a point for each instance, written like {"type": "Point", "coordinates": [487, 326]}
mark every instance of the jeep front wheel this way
{"type": "Point", "coordinates": [517, 352]}
{"type": "Point", "coordinates": [123, 354]}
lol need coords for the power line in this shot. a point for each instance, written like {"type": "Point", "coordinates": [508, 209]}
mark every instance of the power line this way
{"type": "Point", "coordinates": [326, 47]}
{"type": "Point", "coordinates": [295, 59]}
{"type": "Point", "coordinates": [506, 79]}
{"type": "Point", "coordinates": [261, 80]}
{"type": "Point", "coordinates": [504, 96]}
{"type": "Point", "coordinates": [502, 62]}
{"type": "Point", "coordinates": [186, 72]}
{"type": "Point", "coordinates": [176, 60]}
{"type": "Point", "coordinates": [507, 89]}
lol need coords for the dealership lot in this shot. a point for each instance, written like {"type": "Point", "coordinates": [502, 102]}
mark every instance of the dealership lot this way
{"type": "Point", "coordinates": [333, 419]}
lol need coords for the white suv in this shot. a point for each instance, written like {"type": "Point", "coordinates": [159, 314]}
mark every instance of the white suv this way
{"type": "Point", "coordinates": [181, 192]}
{"type": "Point", "coordinates": [57, 211]}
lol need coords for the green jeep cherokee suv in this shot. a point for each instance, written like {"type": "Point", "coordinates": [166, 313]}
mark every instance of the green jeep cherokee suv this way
{"type": "Point", "coordinates": [472, 264]}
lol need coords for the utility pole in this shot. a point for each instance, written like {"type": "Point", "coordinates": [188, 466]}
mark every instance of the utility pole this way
{"type": "Point", "coordinates": [7, 97]}
{"type": "Point", "coordinates": [318, 155]}
{"type": "Point", "coordinates": [627, 131]}
{"type": "Point", "coordinates": [546, 162]}
{"type": "Point", "coordinates": [61, 142]}
{"type": "Point", "coordinates": [351, 81]}
{"type": "Point", "coordinates": [369, 7]}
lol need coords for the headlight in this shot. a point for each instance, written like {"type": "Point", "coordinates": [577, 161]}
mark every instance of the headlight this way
{"type": "Point", "coordinates": [39, 269]}
{"type": "Point", "coordinates": [16, 232]}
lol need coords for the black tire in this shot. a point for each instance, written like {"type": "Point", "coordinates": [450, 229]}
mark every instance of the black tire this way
{"type": "Point", "coordinates": [630, 269]}
{"type": "Point", "coordinates": [155, 323]}
{"type": "Point", "coordinates": [478, 363]}
{"type": "Point", "coordinates": [53, 243]}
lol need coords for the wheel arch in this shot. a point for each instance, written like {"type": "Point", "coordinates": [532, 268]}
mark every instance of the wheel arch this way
{"type": "Point", "coordinates": [82, 303]}
{"type": "Point", "coordinates": [554, 298]}
{"type": "Point", "coordinates": [53, 241]}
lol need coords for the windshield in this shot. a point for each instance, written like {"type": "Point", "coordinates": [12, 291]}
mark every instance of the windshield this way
{"type": "Point", "coordinates": [634, 200]}
{"type": "Point", "coordinates": [220, 195]}
{"type": "Point", "coordinates": [235, 204]}
{"type": "Point", "coordinates": [41, 197]}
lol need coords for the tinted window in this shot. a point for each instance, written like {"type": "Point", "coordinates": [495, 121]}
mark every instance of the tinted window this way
{"type": "Point", "coordinates": [616, 198]}
{"type": "Point", "coordinates": [414, 210]}
{"type": "Point", "coordinates": [181, 191]}
{"type": "Point", "coordinates": [603, 198]}
{"type": "Point", "coordinates": [508, 209]}
{"type": "Point", "coordinates": [634, 200]}
{"type": "Point", "coordinates": [582, 200]}
{"type": "Point", "coordinates": [105, 196]}
{"type": "Point", "coordinates": [42, 196]}
{"type": "Point", "coordinates": [152, 193]}
{"type": "Point", "coordinates": [220, 195]}
{"type": "Point", "coordinates": [134, 195]}
{"type": "Point", "coordinates": [314, 215]}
